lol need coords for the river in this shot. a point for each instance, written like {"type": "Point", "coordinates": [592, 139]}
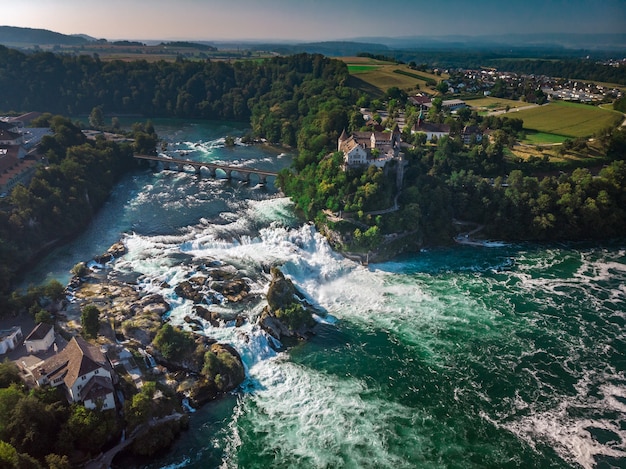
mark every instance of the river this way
{"type": "Point", "coordinates": [464, 357]}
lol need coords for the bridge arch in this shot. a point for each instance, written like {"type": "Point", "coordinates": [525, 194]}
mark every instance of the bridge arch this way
{"type": "Point", "coordinates": [180, 164]}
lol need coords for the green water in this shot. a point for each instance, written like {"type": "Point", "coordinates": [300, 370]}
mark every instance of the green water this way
{"type": "Point", "coordinates": [465, 357]}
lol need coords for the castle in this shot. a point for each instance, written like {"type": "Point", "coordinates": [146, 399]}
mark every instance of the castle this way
{"type": "Point", "coordinates": [369, 148]}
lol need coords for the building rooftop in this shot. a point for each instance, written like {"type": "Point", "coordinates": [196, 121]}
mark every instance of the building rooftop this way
{"type": "Point", "coordinates": [77, 359]}
{"type": "Point", "coordinates": [40, 331]}
{"type": "Point", "coordinates": [8, 332]}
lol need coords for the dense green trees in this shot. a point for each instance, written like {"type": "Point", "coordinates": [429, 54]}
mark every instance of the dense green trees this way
{"type": "Point", "coordinates": [220, 367]}
{"type": "Point", "coordinates": [173, 342]}
{"type": "Point", "coordinates": [90, 320]}
{"type": "Point", "coordinates": [209, 90]}
{"type": "Point", "coordinates": [9, 374]}
{"type": "Point", "coordinates": [63, 195]}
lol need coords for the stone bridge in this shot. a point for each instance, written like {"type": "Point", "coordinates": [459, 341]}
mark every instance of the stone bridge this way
{"type": "Point", "coordinates": [179, 165]}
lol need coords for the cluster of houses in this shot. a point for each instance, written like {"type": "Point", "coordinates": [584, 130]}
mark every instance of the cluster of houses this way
{"type": "Point", "coordinates": [476, 81]}
{"type": "Point", "coordinates": [82, 370]}
{"type": "Point", "coordinates": [18, 159]}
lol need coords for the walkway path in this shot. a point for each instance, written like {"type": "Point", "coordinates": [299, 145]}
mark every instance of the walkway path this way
{"type": "Point", "coordinates": [104, 460]}
{"type": "Point", "coordinates": [465, 238]}
{"type": "Point", "coordinates": [515, 109]}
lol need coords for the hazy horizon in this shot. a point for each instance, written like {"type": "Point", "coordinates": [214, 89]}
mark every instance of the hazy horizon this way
{"type": "Point", "coordinates": [315, 20]}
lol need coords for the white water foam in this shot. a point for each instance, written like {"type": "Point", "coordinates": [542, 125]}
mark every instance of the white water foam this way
{"type": "Point", "coordinates": [571, 436]}
{"type": "Point", "coordinates": [316, 420]}
{"type": "Point", "coordinates": [310, 415]}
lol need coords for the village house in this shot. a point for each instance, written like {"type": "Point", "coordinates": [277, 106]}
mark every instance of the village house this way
{"type": "Point", "coordinates": [369, 148]}
{"type": "Point", "coordinates": [15, 167]}
{"type": "Point", "coordinates": [420, 100]}
{"type": "Point", "coordinates": [10, 338]}
{"type": "Point", "coordinates": [18, 158]}
{"type": "Point", "coordinates": [84, 371]}
{"type": "Point", "coordinates": [471, 133]}
{"type": "Point", "coordinates": [450, 105]}
{"type": "Point", "coordinates": [431, 129]}
{"type": "Point", "coordinates": [9, 134]}
{"type": "Point", "coordinates": [40, 339]}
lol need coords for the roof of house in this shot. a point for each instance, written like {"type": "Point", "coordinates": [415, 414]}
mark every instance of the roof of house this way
{"type": "Point", "coordinates": [471, 129]}
{"type": "Point", "coordinates": [40, 331]}
{"type": "Point", "coordinates": [420, 99]}
{"type": "Point", "coordinates": [77, 359]}
{"type": "Point", "coordinates": [4, 125]}
{"type": "Point", "coordinates": [97, 387]}
{"type": "Point", "coordinates": [8, 135]}
{"type": "Point", "coordinates": [26, 118]}
{"type": "Point", "coordinates": [431, 127]}
{"type": "Point", "coordinates": [383, 136]}
{"type": "Point", "coordinates": [349, 145]}
{"type": "Point", "coordinates": [452, 102]}
{"type": "Point", "coordinates": [9, 332]}
{"type": "Point", "coordinates": [10, 150]}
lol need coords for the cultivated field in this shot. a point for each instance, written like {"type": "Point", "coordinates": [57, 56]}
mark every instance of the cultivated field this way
{"type": "Point", "coordinates": [568, 119]}
{"type": "Point", "coordinates": [355, 69]}
{"type": "Point", "coordinates": [383, 75]}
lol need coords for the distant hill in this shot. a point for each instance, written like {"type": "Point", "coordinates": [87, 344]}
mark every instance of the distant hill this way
{"type": "Point", "coordinates": [11, 35]}
{"type": "Point", "coordinates": [545, 40]}
{"type": "Point", "coordinates": [328, 48]}
{"type": "Point", "coordinates": [190, 45]}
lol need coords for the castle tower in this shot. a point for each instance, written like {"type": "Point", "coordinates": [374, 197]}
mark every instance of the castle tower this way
{"type": "Point", "coordinates": [342, 138]}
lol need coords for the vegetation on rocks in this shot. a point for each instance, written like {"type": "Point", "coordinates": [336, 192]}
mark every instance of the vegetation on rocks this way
{"type": "Point", "coordinates": [285, 314]}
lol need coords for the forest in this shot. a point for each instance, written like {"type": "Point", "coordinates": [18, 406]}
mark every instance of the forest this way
{"type": "Point", "coordinates": [72, 85]}
{"type": "Point", "coordinates": [64, 194]}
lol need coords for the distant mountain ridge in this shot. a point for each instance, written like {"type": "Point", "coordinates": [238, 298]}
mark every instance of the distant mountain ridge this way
{"type": "Point", "coordinates": [551, 40]}
{"type": "Point", "coordinates": [12, 35]}
{"type": "Point", "coordinates": [16, 35]}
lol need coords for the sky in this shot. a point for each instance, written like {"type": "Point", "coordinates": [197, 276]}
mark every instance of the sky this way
{"type": "Point", "coordinates": [313, 20]}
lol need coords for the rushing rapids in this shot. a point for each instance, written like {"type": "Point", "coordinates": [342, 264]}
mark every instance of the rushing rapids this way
{"type": "Point", "coordinates": [502, 356]}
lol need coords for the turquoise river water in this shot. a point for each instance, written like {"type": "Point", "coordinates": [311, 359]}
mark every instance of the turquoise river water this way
{"type": "Point", "coordinates": [465, 357]}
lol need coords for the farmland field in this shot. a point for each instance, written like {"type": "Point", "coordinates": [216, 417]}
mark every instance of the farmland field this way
{"type": "Point", "coordinates": [361, 68]}
{"type": "Point", "coordinates": [568, 119]}
{"type": "Point", "coordinates": [383, 75]}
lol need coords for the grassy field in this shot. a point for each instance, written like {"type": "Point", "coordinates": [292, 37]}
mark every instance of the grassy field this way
{"type": "Point", "coordinates": [542, 138]}
{"type": "Point", "coordinates": [494, 104]}
{"type": "Point", "coordinates": [568, 119]}
{"type": "Point", "coordinates": [383, 75]}
{"type": "Point", "coordinates": [592, 156]}
{"type": "Point", "coordinates": [355, 69]}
